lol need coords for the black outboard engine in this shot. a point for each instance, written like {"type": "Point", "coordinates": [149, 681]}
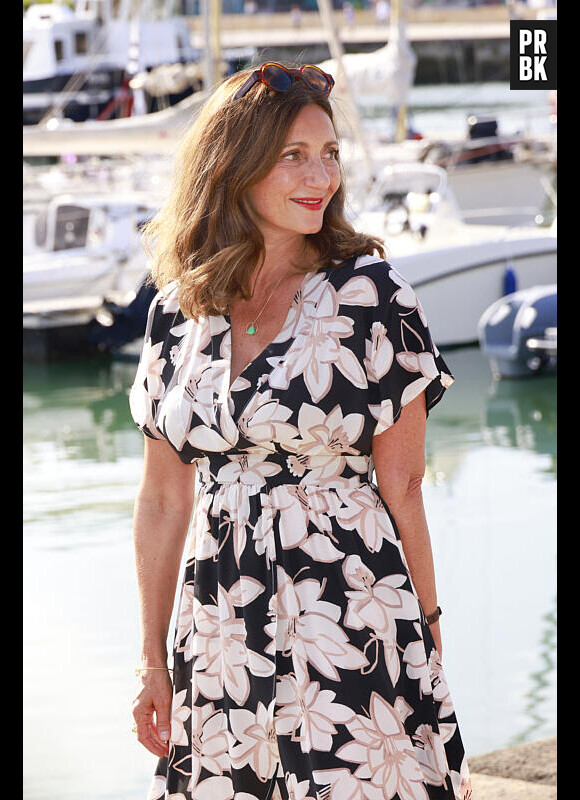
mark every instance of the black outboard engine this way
{"type": "Point", "coordinates": [115, 325]}
{"type": "Point", "coordinates": [486, 128]}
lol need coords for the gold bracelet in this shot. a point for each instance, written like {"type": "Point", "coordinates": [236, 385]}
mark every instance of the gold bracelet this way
{"type": "Point", "coordinates": [139, 670]}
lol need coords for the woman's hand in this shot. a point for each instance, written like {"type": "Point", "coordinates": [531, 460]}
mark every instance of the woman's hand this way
{"type": "Point", "coordinates": [152, 711]}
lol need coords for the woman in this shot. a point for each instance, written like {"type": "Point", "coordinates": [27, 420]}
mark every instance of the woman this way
{"type": "Point", "coordinates": [284, 359]}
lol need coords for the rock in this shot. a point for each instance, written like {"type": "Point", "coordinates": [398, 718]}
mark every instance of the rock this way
{"type": "Point", "coordinates": [534, 762]}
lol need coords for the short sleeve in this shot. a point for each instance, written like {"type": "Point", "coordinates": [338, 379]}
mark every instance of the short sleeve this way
{"type": "Point", "coordinates": [401, 358]}
{"type": "Point", "coordinates": [154, 366]}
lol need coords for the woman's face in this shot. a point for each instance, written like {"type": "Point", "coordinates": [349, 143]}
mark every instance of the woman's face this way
{"type": "Point", "coordinates": [291, 199]}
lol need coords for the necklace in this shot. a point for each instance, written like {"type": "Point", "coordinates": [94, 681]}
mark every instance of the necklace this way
{"type": "Point", "coordinates": [252, 327]}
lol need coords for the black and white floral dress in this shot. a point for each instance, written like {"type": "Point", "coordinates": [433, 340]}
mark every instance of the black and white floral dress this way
{"type": "Point", "coordinates": [303, 664]}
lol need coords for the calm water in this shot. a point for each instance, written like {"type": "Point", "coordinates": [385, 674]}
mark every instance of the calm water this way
{"type": "Point", "coordinates": [490, 494]}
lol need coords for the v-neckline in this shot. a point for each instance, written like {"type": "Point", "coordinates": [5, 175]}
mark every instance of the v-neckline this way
{"type": "Point", "coordinates": [265, 351]}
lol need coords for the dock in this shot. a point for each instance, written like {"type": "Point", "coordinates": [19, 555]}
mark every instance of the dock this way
{"type": "Point", "coordinates": [445, 24]}
{"type": "Point", "coordinates": [313, 33]}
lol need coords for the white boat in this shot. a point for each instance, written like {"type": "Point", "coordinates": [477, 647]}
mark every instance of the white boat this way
{"type": "Point", "coordinates": [496, 178]}
{"type": "Point", "coordinates": [80, 249]}
{"type": "Point", "coordinates": [82, 256]}
{"type": "Point", "coordinates": [77, 61]}
{"type": "Point", "coordinates": [457, 269]}
{"type": "Point", "coordinates": [505, 180]}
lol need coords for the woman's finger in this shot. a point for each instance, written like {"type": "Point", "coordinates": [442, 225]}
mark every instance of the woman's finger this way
{"type": "Point", "coordinates": [162, 725]}
{"type": "Point", "coordinates": [148, 740]}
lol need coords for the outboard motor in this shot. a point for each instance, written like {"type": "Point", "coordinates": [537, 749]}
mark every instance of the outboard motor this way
{"type": "Point", "coordinates": [518, 332]}
{"type": "Point", "coordinates": [486, 128]}
{"type": "Point", "coordinates": [115, 325]}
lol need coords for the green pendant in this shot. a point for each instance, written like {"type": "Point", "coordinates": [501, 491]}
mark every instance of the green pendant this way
{"type": "Point", "coordinates": [251, 329]}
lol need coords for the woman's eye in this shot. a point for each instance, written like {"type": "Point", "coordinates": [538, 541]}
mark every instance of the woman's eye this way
{"type": "Point", "coordinates": [333, 154]}
{"type": "Point", "coordinates": [293, 155]}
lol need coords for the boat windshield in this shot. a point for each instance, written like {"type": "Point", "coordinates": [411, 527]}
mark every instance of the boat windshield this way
{"type": "Point", "coordinates": [71, 227]}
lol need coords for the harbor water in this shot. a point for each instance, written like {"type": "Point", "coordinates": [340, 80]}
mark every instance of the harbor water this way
{"type": "Point", "coordinates": [490, 495]}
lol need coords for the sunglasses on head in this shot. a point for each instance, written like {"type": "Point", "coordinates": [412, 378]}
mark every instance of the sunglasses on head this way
{"type": "Point", "coordinates": [279, 78]}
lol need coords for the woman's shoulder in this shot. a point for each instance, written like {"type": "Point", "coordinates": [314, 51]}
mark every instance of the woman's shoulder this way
{"type": "Point", "coordinates": [163, 311]}
{"type": "Point", "coordinates": [383, 275]}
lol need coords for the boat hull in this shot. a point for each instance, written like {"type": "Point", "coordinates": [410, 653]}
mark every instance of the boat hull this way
{"type": "Point", "coordinates": [456, 285]}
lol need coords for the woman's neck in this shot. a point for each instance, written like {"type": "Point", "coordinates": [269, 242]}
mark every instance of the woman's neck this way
{"type": "Point", "coordinates": [282, 258]}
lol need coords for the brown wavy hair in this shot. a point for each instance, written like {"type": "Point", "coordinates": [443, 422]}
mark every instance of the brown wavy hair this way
{"type": "Point", "coordinates": [204, 236]}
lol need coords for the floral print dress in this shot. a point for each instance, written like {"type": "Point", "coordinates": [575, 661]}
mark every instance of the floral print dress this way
{"type": "Point", "coordinates": [303, 664]}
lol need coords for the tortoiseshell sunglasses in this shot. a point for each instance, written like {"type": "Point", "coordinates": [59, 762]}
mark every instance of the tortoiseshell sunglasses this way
{"type": "Point", "coordinates": [279, 78]}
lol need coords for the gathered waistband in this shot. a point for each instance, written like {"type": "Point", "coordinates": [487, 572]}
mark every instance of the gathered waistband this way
{"type": "Point", "coordinates": [274, 469]}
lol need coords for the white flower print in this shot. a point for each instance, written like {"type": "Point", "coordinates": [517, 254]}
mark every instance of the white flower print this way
{"type": "Point", "coordinates": [263, 534]}
{"type": "Point", "coordinates": [141, 395]}
{"type": "Point", "coordinates": [303, 301]}
{"type": "Point", "coordinates": [363, 511]}
{"type": "Point", "coordinates": [461, 782]}
{"type": "Point", "coordinates": [193, 396]}
{"type": "Point", "coordinates": [364, 261]}
{"type": "Point", "coordinates": [326, 440]}
{"type": "Point", "coordinates": [153, 368]}
{"type": "Point", "coordinates": [439, 683]}
{"type": "Point", "coordinates": [218, 787]}
{"type": "Point", "coordinates": [179, 715]}
{"type": "Point", "coordinates": [383, 414]}
{"type": "Point", "coordinates": [157, 788]}
{"type": "Point", "coordinates": [234, 512]}
{"type": "Point", "coordinates": [377, 604]}
{"type": "Point", "coordinates": [194, 341]}
{"type": "Point", "coordinates": [307, 629]}
{"type": "Point", "coordinates": [446, 380]}
{"type": "Point", "coordinates": [308, 714]}
{"type": "Point", "coordinates": [384, 752]}
{"type": "Point", "coordinates": [203, 544]}
{"type": "Point", "coordinates": [297, 508]}
{"type": "Point", "coordinates": [297, 790]}
{"type": "Point", "coordinates": [379, 353]}
{"type": "Point", "coordinates": [402, 708]}
{"type": "Point", "coordinates": [250, 469]}
{"type": "Point", "coordinates": [343, 785]}
{"type": "Point", "coordinates": [248, 796]}
{"type": "Point", "coordinates": [317, 347]}
{"type": "Point", "coordinates": [419, 362]}
{"type": "Point", "coordinates": [405, 295]}
{"type": "Point", "coordinates": [358, 291]}
{"type": "Point", "coordinates": [219, 644]}
{"type": "Point", "coordinates": [210, 743]}
{"type": "Point", "coordinates": [257, 740]}
{"type": "Point", "coordinates": [430, 753]}
{"type": "Point", "coordinates": [264, 421]}
{"type": "Point", "coordinates": [184, 628]}
{"type": "Point", "coordinates": [415, 658]}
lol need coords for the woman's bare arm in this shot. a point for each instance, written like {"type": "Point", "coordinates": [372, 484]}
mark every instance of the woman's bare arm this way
{"type": "Point", "coordinates": [161, 519]}
{"type": "Point", "coordinates": [399, 459]}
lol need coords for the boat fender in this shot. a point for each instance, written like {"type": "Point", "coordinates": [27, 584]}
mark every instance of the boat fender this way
{"type": "Point", "coordinates": [510, 281]}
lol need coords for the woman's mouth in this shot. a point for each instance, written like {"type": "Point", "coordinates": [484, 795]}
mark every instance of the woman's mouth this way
{"type": "Point", "coordinates": [314, 203]}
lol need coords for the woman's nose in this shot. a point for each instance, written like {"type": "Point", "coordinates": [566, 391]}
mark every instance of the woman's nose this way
{"type": "Point", "coordinates": [317, 173]}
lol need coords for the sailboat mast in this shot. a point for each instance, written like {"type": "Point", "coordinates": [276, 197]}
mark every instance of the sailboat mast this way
{"type": "Point", "coordinates": [211, 33]}
{"type": "Point", "coordinates": [336, 51]}
{"type": "Point", "coordinates": [397, 29]}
